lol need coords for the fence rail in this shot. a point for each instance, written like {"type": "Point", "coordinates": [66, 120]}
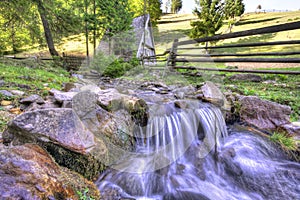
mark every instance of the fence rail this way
{"type": "Point", "coordinates": [181, 53]}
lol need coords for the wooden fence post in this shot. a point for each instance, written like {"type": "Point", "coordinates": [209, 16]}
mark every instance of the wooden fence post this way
{"type": "Point", "coordinates": [173, 53]}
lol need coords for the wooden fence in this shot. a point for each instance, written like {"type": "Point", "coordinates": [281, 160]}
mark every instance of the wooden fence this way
{"type": "Point", "coordinates": [69, 62]}
{"type": "Point", "coordinates": [180, 53]}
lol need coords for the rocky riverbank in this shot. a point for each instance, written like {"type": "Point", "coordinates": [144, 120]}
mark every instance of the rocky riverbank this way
{"type": "Point", "coordinates": [53, 147]}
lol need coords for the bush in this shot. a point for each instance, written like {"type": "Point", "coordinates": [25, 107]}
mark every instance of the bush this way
{"type": "Point", "coordinates": [119, 67]}
{"type": "Point", "coordinates": [111, 66]}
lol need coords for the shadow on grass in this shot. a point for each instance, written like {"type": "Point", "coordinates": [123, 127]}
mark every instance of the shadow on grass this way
{"type": "Point", "coordinates": [245, 22]}
{"type": "Point", "coordinates": [170, 35]}
{"type": "Point", "coordinates": [175, 21]}
{"type": "Point", "coordinates": [252, 39]}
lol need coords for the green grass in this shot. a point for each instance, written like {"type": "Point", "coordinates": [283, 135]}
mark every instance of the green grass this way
{"type": "Point", "coordinates": [30, 77]}
{"type": "Point", "coordinates": [286, 142]}
{"type": "Point", "coordinates": [34, 80]}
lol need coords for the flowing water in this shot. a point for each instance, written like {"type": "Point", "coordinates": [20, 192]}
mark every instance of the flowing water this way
{"type": "Point", "coordinates": [185, 153]}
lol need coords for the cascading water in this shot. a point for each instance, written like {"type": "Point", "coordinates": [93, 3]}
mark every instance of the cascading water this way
{"type": "Point", "coordinates": [185, 153]}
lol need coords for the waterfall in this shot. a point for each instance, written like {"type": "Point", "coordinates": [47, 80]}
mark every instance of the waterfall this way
{"type": "Point", "coordinates": [184, 152]}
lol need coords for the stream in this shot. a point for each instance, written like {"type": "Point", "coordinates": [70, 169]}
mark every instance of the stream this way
{"type": "Point", "coordinates": [186, 152]}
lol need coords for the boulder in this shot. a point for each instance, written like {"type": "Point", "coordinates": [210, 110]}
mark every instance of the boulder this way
{"type": "Point", "coordinates": [112, 100]}
{"type": "Point", "coordinates": [63, 135]}
{"type": "Point", "coordinates": [211, 93]}
{"type": "Point", "coordinates": [246, 77]}
{"type": "Point", "coordinates": [32, 99]}
{"type": "Point", "coordinates": [28, 172]}
{"type": "Point", "coordinates": [263, 114]}
{"type": "Point", "coordinates": [60, 96]}
{"type": "Point", "coordinates": [183, 92]}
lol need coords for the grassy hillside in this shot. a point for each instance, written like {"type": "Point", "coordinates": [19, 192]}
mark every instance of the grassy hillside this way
{"type": "Point", "coordinates": [178, 26]}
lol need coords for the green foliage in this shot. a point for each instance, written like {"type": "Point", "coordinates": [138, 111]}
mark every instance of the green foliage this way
{"type": "Point", "coordinates": [119, 67]}
{"type": "Point", "coordinates": [210, 19]}
{"type": "Point", "coordinates": [111, 66]}
{"type": "Point", "coordinates": [176, 6]}
{"type": "Point", "coordinates": [233, 8]}
{"type": "Point", "coordinates": [84, 195]}
{"type": "Point", "coordinates": [152, 7]}
{"type": "Point", "coordinates": [285, 141]}
{"type": "Point", "coordinates": [32, 80]}
{"type": "Point", "coordinates": [115, 16]}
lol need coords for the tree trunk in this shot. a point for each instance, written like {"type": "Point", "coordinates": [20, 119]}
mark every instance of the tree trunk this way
{"type": "Point", "coordinates": [87, 34]}
{"type": "Point", "coordinates": [48, 34]}
{"type": "Point", "coordinates": [94, 28]}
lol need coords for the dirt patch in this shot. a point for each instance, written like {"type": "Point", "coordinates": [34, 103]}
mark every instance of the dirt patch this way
{"type": "Point", "coordinates": [262, 65]}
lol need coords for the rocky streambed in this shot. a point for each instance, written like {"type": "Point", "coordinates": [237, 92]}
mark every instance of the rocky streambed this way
{"type": "Point", "coordinates": [58, 146]}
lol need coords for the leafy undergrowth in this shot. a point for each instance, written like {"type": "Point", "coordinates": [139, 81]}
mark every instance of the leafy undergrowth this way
{"type": "Point", "coordinates": [287, 143]}
{"type": "Point", "coordinates": [30, 77]}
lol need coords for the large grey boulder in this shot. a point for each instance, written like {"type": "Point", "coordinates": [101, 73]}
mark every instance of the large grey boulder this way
{"type": "Point", "coordinates": [262, 113]}
{"type": "Point", "coordinates": [28, 172]}
{"type": "Point", "coordinates": [63, 135]}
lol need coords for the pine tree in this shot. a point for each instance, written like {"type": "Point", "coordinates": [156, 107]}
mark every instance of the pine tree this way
{"type": "Point", "coordinates": [233, 9]}
{"type": "Point", "coordinates": [210, 17]}
{"type": "Point", "coordinates": [152, 7]}
{"type": "Point", "coordinates": [176, 6]}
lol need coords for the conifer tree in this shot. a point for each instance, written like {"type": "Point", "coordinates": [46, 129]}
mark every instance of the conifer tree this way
{"type": "Point", "coordinates": [176, 6]}
{"type": "Point", "coordinates": [233, 9]}
{"type": "Point", "coordinates": [210, 16]}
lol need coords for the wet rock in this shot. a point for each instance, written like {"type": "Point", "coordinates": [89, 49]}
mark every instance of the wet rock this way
{"type": "Point", "coordinates": [28, 172]}
{"type": "Point", "coordinates": [231, 167]}
{"type": "Point", "coordinates": [182, 194]}
{"type": "Point", "coordinates": [183, 92]}
{"type": "Point", "coordinates": [62, 96]}
{"type": "Point", "coordinates": [209, 92]}
{"type": "Point", "coordinates": [246, 77]}
{"type": "Point", "coordinates": [117, 127]}
{"type": "Point", "coordinates": [6, 93]}
{"type": "Point", "coordinates": [52, 125]}
{"type": "Point", "coordinates": [32, 99]}
{"type": "Point", "coordinates": [262, 113]}
{"type": "Point", "coordinates": [63, 135]}
{"type": "Point", "coordinates": [293, 129]}
{"type": "Point", "coordinates": [67, 104]}
{"type": "Point", "coordinates": [112, 100]}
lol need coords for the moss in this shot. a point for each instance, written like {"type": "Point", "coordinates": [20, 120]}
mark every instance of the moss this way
{"type": "Point", "coordinates": [86, 165]}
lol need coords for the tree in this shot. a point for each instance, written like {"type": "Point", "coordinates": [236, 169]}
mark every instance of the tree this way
{"type": "Point", "coordinates": [233, 9]}
{"type": "Point", "coordinates": [46, 25]}
{"type": "Point", "coordinates": [259, 8]}
{"type": "Point", "coordinates": [152, 7]}
{"type": "Point", "coordinates": [168, 5]}
{"type": "Point", "coordinates": [176, 6]}
{"type": "Point", "coordinates": [57, 19]}
{"type": "Point", "coordinates": [210, 16]}
{"type": "Point", "coordinates": [19, 25]}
